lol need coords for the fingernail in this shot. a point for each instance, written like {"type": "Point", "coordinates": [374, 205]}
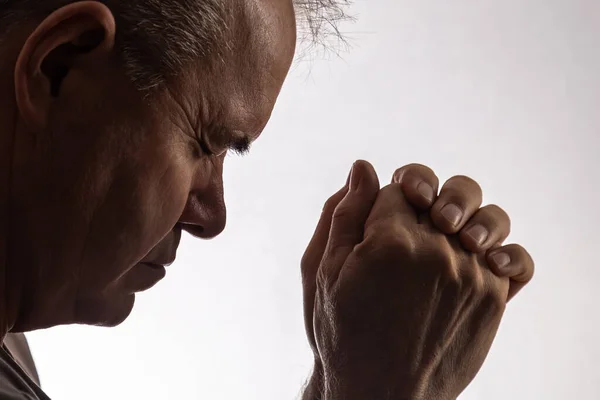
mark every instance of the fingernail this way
{"type": "Point", "coordinates": [501, 259]}
{"type": "Point", "coordinates": [478, 233]}
{"type": "Point", "coordinates": [452, 213]}
{"type": "Point", "coordinates": [354, 178]}
{"type": "Point", "coordinates": [426, 191]}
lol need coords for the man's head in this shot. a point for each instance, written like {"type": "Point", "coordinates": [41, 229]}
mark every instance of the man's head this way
{"type": "Point", "coordinates": [116, 118]}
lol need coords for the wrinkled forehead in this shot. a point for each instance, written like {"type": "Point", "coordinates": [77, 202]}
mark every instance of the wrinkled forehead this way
{"type": "Point", "coordinates": [262, 49]}
{"type": "Point", "coordinates": [240, 85]}
{"type": "Point", "coordinates": [270, 29]}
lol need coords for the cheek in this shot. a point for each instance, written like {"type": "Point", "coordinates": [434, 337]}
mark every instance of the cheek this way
{"type": "Point", "coordinates": [143, 204]}
{"type": "Point", "coordinates": [156, 205]}
{"type": "Point", "coordinates": [164, 200]}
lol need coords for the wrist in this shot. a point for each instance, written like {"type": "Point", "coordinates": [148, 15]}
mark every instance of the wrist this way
{"type": "Point", "coordinates": [369, 382]}
{"type": "Point", "coordinates": [372, 386]}
{"type": "Point", "coordinates": [352, 380]}
{"type": "Point", "coordinates": [358, 389]}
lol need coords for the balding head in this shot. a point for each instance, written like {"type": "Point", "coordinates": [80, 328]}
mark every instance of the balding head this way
{"type": "Point", "coordinates": [98, 178]}
{"type": "Point", "coordinates": [157, 37]}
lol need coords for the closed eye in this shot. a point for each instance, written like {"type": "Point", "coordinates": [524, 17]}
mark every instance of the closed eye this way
{"type": "Point", "coordinates": [240, 145]}
{"type": "Point", "coordinates": [224, 140]}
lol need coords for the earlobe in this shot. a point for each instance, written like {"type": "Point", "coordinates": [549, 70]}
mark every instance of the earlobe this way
{"type": "Point", "coordinates": [69, 38]}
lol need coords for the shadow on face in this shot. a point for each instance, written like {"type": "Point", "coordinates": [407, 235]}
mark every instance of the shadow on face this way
{"type": "Point", "coordinates": [106, 178]}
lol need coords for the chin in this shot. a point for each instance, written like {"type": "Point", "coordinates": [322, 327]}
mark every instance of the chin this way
{"type": "Point", "coordinates": [107, 312]}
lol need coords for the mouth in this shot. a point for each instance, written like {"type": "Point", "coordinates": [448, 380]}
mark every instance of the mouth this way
{"type": "Point", "coordinates": [144, 276]}
{"type": "Point", "coordinates": [159, 267]}
{"type": "Point", "coordinates": [150, 270]}
{"type": "Point", "coordinates": [165, 252]}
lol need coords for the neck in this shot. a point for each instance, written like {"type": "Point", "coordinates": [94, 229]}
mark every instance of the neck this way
{"type": "Point", "coordinates": [7, 139]}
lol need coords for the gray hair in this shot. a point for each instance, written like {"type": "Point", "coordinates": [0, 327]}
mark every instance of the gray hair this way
{"type": "Point", "coordinates": [157, 37]}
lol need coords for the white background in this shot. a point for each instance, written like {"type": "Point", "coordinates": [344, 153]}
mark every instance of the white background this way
{"type": "Point", "coordinates": [507, 92]}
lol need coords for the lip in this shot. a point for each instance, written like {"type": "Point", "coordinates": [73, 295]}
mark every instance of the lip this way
{"type": "Point", "coordinates": [164, 263]}
{"type": "Point", "coordinates": [165, 252]}
{"type": "Point", "coordinates": [144, 276]}
{"type": "Point", "coordinates": [159, 266]}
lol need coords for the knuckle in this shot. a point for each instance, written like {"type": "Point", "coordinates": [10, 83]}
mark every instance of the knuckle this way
{"type": "Point", "coordinates": [415, 169]}
{"type": "Point", "coordinates": [461, 185]}
{"type": "Point", "coordinates": [478, 285]}
{"type": "Point", "coordinates": [473, 278]}
{"type": "Point", "coordinates": [498, 213]}
{"type": "Point", "coordinates": [470, 239]}
{"type": "Point", "coordinates": [488, 291]}
{"type": "Point", "coordinates": [394, 244]}
{"type": "Point", "coordinates": [306, 263]}
{"type": "Point", "coordinates": [525, 261]}
{"type": "Point", "coordinates": [521, 251]}
{"type": "Point", "coordinates": [514, 250]}
{"type": "Point", "coordinates": [342, 211]}
{"type": "Point", "coordinates": [439, 261]}
{"type": "Point", "coordinates": [464, 180]}
{"type": "Point", "coordinates": [389, 240]}
{"type": "Point", "coordinates": [331, 204]}
{"type": "Point", "coordinates": [530, 264]}
{"type": "Point", "coordinates": [494, 299]}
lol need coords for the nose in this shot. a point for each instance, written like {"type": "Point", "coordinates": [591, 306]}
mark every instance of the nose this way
{"type": "Point", "coordinates": [205, 214]}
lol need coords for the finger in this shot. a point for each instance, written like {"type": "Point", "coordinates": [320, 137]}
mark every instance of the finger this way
{"type": "Point", "coordinates": [390, 206]}
{"type": "Point", "coordinates": [314, 252]}
{"type": "Point", "coordinates": [419, 184]}
{"type": "Point", "coordinates": [512, 261]}
{"type": "Point", "coordinates": [312, 259]}
{"type": "Point", "coordinates": [458, 200]}
{"type": "Point", "coordinates": [348, 220]}
{"type": "Point", "coordinates": [488, 226]}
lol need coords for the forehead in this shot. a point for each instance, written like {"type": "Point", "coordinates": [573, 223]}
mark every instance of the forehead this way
{"type": "Point", "coordinates": [242, 86]}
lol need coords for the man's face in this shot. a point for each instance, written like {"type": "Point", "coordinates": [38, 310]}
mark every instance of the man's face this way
{"type": "Point", "coordinates": [99, 199]}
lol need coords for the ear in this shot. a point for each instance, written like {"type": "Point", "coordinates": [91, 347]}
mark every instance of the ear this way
{"type": "Point", "coordinates": [75, 38]}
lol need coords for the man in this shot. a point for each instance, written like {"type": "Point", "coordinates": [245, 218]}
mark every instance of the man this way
{"type": "Point", "coordinates": [116, 117]}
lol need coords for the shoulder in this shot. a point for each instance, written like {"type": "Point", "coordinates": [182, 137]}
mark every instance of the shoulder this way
{"type": "Point", "coordinates": [15, 384]}
{"type": "Point", "coordinates": [18, 347]}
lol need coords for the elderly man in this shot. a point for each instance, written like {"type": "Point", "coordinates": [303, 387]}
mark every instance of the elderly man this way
{"type": "Point", "coordinates": [116, 117]}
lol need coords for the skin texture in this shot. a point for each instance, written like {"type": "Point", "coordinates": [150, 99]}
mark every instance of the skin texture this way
{"type": "Point", "coordinates": [97, 182]}
{"type": "Point", "coordinates": [127, 174]}
{"type": "Point", "coordinates": [399, 339]}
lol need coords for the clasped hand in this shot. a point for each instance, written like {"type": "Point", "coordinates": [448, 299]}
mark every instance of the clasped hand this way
{"type": "Point", "coordinates": [404, 289]}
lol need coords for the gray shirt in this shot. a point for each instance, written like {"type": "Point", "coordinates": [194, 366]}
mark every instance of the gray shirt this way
{"type": "Point", "coordinates": [15, 383]}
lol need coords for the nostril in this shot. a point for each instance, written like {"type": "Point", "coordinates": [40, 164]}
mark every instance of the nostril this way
{"type": "Point", "coordinates": [194, 230]}
{"type": "Point", "coordinates": [204, 232]}
{"type": "Point", "coordinates": [204, 217]}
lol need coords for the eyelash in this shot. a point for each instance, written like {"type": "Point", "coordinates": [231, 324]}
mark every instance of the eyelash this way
{"type": "Point", "coordinates": [239, 148]}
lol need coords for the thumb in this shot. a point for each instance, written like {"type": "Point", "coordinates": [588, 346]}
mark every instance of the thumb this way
{"type": "Point", "coordinates": [314, 252]}
{"type": "Point", "coordinates": [349, 217]}
{"type": "Point", "coordinates": [311, 260]}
